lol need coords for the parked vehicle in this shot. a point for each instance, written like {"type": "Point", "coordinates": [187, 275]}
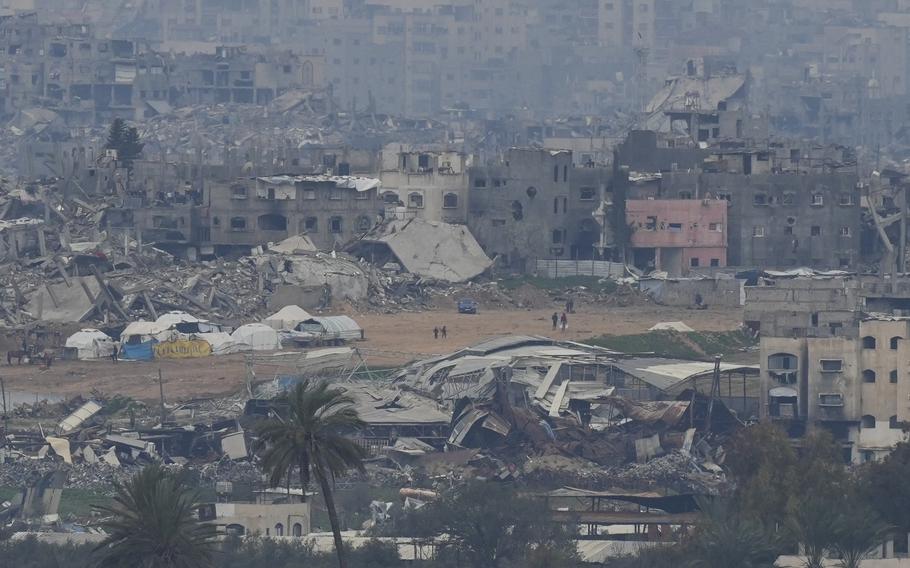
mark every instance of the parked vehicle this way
{"type": "Point", "coordinates": [467, 306]}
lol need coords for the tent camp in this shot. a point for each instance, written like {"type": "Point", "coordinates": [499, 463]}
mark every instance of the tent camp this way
{"type": "Point", "coordinates": [258, 336]}
{"type": "Point", "coordinates": [138, 339]}
{"type": "Point", "coordinates": [287, 318]}
{"type": "Point", "coordinates": [186, 323]}
{"type": "Point", "coordinates": [90, 344]}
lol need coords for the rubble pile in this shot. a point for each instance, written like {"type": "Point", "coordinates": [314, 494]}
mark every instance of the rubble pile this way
{"type": "Point", "coordinates": [392, 292]}
{"type": "Point", "coordinates": [222, 132]}
{"type": "Point", "coordinates": [95, 477]}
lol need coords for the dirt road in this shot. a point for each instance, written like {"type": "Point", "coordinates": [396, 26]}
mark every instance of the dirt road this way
{"type": "Point", "coordinates": [391, 340]}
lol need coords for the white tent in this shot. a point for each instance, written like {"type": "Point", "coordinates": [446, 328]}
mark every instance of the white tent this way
{"type": "Point", "coordinates": [142, 331]}
{"type": "Point", "coordinates": [186, 323]}
{"type": "Point", "coordinates": [287, 318]}
{"type": "Point", "coordinates": [223, 344]}
{"type": "Point", "coordinates": [258, 336]}
{"type": "Point", "coordinates": [90, 344]}
{"type": "Point", "coordinates": [172, 318]}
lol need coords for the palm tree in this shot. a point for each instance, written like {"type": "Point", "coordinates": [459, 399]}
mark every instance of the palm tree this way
{"type": "Point", "coordinates": [813, 522]}
{"type": "Point", "coordinates": [152, 524]}
{"type": "Point", "coordinates": [858, 530]}
{"type": "Point", "coordinates": [312, 440]}
{"type": "Point", "coordinates": [725, 539]}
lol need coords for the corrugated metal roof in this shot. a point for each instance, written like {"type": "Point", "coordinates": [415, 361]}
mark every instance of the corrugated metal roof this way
{"type": "Point", "coordinates": [494, 344]}
{"type": "Point", "coordinates": [79, 416]}
{"type": "Point", "coordinates": [403, 408]}
{"type": "Point", "coordinates": [341, 327]}
{"type": "Point", "coordinates": [664, 374]}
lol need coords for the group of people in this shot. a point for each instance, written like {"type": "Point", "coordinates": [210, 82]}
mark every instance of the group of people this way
{"type": "Point", "coordinates": [560, 320]}
{"type": "Point", "coordinates": [440, 331]}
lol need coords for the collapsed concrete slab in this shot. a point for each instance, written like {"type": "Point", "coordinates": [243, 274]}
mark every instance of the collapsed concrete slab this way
{"type": "Point", "coordinates": [428, 249]}
{"type": "Point", "coordinates": [311, 281]}
{"type": "Point", "coordinates": [70, 301]}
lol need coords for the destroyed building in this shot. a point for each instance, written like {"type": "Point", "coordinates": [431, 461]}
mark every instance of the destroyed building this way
{"type": "Point", "coordinates": [786, 206]}
{"type": "Point", "coordinates": [249, 212]}
{"type": "Point", "coordinates": [708, 103]}
{"type": "Point", "coordinates": [534, 204]}
{"type": "Point", "coordinates": [233, 75]}
{"type": "Point", "coordinates": [427, 249]}
{"type": "Point", "coordinates": [429, 184]}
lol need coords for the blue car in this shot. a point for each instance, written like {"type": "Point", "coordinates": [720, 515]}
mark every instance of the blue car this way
{"type": "Point", "coordinates": [467, 306]}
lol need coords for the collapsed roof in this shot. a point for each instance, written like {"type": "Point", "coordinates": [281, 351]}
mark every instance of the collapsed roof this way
{"type": "Point", "coordinates": [426, 248]}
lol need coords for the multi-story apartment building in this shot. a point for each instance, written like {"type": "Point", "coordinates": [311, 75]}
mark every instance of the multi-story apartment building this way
{"type": "Point", "coordinates": [533, 204]}
{"type": "Point", "coordinates": [856, 385]}
{"type": "Point", "coordinates": [249, 212]}
{"type": "Point", "coordinates": [430, 184]}
{"type": "Point", "coordinates": [233, 75]}
{"type": "Point", "coordinates": [626, 23]}
{"type": "Point", "coordinates": [677, 235]}
{"type": "Point", "coordinates": [331, 210]}
{"type": "Point", "coordinates": [788, 205]}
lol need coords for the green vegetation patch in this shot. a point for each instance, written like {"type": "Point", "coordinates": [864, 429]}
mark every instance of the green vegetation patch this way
{"type": "Point", "coordinates": [73, 502]}
{"type": "Point", "coordinates": [676, 345]}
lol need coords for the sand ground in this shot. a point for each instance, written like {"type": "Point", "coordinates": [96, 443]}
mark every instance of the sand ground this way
{"type": "Point", "coordinates": [392, 339]}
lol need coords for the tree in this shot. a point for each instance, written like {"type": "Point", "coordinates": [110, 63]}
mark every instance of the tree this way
{"type": "Point", "coordinates": [813, 522]}
{"type": "Point", "coordinates": [152, 524]}
{"type": "Point", "coordinates": [124, 139]}
{"type": "Point", "coordinates": [884, 486]}
{"type": "Point", "coordinates": [763, 463]}
{"type": "Point", "coordinates": [312, 440]}
{"type": "Point", "coordinates": [858, 529]}
{"type": "Point", "coordinates": [490, 525]}
{"type": "Point", "coordinates": [725, 539]}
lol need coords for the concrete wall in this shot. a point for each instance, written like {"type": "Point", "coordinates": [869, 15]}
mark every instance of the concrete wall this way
{"type": "Point", "coordinates": [263, 519]}
{"type": "Point", "coordinates": [714, 292]}
{"type": "Point", "coordinates": [785, 307]}
{"type": "Point", "coordinates": [319, 201]}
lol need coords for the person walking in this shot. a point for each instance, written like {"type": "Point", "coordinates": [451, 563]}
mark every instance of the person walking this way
{"type": "Point", "coordinates": [564, 320]}
{"type": "Point", "coordinates": [435, 333]}
{"type": "Point", "coordinates": [555, 318]}
{"type": "Point", "coordinates": [115, 353]}
{"type": "Point", "coordinates": [445, 332]}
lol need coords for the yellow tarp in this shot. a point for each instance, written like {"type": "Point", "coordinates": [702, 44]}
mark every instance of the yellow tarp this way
{"type": "Point", "coordinates": [182, 349]}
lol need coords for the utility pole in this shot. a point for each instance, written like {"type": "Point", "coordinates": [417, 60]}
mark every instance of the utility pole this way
{"type": "Point", "coordinates": [902, 244]}
{"type": "Point", "coordinates": [5, 411]}
{"type": "Point", "coordinates": [715, 390]}
{"type": "Point", "coordinates": [161, 394]}
{"type": "Point", "coordinates": [641, 78]}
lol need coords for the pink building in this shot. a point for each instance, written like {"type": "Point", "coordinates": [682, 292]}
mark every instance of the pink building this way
{"type": "Point", "coordinates": [677, 235]}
